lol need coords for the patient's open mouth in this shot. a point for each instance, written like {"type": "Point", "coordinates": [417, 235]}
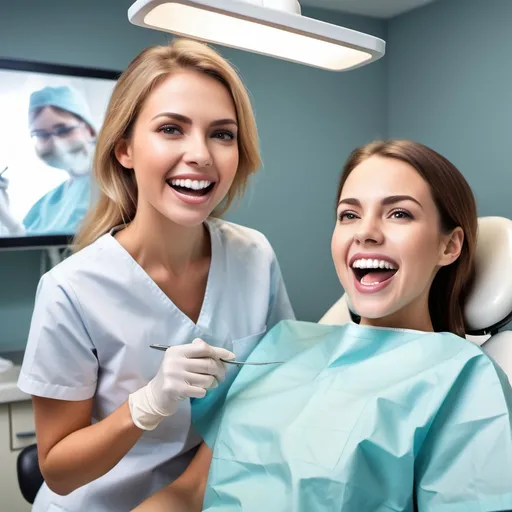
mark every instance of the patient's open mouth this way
{"type": "Point", "coordinates": [373, 273]}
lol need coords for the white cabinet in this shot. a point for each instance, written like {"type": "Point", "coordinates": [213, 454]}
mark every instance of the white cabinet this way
{"type": "Point", "coordinates": [16, 431]}
{"type": "Point", "coordinates": [23, 431]}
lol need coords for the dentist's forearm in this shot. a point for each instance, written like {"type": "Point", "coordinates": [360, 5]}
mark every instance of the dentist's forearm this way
{"type": "Point", "coordinates": [90, 452]}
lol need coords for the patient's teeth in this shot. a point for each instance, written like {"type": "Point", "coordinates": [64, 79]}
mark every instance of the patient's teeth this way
{"type": "Point", "coordinates": [366, 263]}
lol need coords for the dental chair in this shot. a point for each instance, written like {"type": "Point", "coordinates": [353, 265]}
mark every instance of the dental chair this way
{"type": "Point", "coordinates": [489, 309]}
{"type": "Point", "coordinates": [489, 305]}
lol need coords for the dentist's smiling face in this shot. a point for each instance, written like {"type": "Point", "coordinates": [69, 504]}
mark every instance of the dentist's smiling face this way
{"type": "Point", "coordinates": [388, 244]}
{"type": "Point", "coordinates": [183, 148]}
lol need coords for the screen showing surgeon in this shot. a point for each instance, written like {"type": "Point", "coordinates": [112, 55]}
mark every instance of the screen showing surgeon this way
{"type": "Point", "coordinates": [47, 139]}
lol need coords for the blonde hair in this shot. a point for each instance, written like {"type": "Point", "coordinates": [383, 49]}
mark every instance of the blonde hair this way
{"type": "Point", "coordinates": [117, 195]}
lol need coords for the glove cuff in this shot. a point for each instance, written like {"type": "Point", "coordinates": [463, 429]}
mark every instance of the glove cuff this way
{"type": "Point", "coordinates": [144, 414]}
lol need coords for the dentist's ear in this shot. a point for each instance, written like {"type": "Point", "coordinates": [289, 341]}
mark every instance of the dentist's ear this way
{"type": "Point", "coordinates": [123, 153]}
{"type": "Point", "coordinates": [451, 247]}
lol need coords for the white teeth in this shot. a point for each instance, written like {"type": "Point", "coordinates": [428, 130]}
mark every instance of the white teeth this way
{"type": "Point", "coordinates": [373, 263]}
{"type": "Point", "coordinates": [193, 184]}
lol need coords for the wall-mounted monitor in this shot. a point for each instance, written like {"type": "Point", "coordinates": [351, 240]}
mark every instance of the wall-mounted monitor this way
{"type": "Point", "coordinates": [50, 118]}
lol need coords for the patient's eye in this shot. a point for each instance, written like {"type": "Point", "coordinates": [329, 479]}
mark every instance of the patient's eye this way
{"type": "Point", "coordinates": [347, 216]}
{"type": "Point", "coordinates": [401, 214]}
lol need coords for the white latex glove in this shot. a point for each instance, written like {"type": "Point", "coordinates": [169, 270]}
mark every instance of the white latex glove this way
{"type": "Point", "coordinates": [186, 371]}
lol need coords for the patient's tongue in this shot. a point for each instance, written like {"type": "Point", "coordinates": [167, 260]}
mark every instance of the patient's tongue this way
{"type": "Point", "coordinates": [377, 277]}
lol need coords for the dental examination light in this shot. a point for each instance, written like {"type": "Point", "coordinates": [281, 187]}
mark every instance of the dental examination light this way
{"type": "Point", "coordinates": [275, 28]}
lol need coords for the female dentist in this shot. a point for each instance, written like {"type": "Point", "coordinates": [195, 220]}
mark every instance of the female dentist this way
{"type": "Point", "coordinates": [113, 422]}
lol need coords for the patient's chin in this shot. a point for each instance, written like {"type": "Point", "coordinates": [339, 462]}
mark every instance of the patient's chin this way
{"type": "Point", "coordinates": [366, 308]}
{"type": "Point", "coordinates": [372, 315]}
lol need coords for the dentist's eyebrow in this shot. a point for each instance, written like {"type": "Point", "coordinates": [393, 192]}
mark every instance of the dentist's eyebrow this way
{"type": "Point", "coordinates": [387, 201]}
{"type": "Point", "coordinates": [221, 122]}
{"type": "Point", "coordinates": [186, 120]}
{"type": "Point", "coordinates": [176, 117]}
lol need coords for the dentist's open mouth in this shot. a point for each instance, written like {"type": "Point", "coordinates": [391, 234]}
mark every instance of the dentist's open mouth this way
{"type": "Point", "coordinates": [373, 275]}
{"type": "Point", "coordinates": [193, 188]}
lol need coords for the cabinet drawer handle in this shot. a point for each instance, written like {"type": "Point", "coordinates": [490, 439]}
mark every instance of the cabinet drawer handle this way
{"type": "Point", "coordinates": [24, 435]}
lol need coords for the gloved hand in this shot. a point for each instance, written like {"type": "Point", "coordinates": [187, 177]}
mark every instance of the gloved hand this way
{"type": "Point", "coordinates": [186, 371]}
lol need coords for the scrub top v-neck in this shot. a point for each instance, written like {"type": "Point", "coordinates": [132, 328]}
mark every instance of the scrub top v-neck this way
{"type": "Point", "coordinates": [96, 315]}
{"type": "Point", "coordinates": [213, 282]}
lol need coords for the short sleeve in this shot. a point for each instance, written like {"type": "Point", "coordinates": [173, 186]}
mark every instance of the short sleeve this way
{"type": "Point", "coordinates": [60, 359]}
{"type": "Point", "coordinates": [466, 460]}
{"type": "Point", "coordinates": [280, 307]}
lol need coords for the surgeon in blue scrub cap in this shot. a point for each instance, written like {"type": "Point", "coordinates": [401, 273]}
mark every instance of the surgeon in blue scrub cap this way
{"type": "Point", "coordinates": [64, 137]}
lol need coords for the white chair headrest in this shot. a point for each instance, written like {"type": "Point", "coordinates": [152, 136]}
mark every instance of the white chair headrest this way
{"type": "Point", "coordinates": [489, 304]}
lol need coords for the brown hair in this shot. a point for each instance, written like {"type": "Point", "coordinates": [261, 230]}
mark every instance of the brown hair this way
{"type": "Point", "coordinates": [457, 207]}
{"type": "Point", "coordinates": [117, 201]}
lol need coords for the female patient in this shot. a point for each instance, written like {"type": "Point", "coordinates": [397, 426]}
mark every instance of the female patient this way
{"type": "Point", "coordinates": [397, 413]}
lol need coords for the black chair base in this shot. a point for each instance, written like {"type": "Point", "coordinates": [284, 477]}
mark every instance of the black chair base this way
{"type": "Point", "coordinates": [30, 478]}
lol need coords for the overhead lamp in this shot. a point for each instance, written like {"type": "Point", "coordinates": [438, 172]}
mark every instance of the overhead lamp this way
{"type": "Point", "coordinates": [275, 28]}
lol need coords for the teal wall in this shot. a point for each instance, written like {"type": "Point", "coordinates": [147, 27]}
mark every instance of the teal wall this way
{"type": "Point", "coordinates": [450, 87]}
{"type": "Point", "coordinates": [309, 120]}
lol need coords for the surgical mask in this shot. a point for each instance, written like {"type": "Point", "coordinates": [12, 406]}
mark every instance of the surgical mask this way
{"type": "Point", "coordinates": [75, 159]}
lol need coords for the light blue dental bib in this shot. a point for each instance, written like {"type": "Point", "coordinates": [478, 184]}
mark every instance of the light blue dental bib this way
{"type": "Point", "coordinates": [360, 419]}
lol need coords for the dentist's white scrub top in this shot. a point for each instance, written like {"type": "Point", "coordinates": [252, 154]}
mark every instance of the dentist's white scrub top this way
{"type": "Point", "coordinates": [95, 316]}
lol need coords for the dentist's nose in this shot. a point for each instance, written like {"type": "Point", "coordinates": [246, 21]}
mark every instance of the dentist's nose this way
{"type": "Point", "coordinates": [197, 153]}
